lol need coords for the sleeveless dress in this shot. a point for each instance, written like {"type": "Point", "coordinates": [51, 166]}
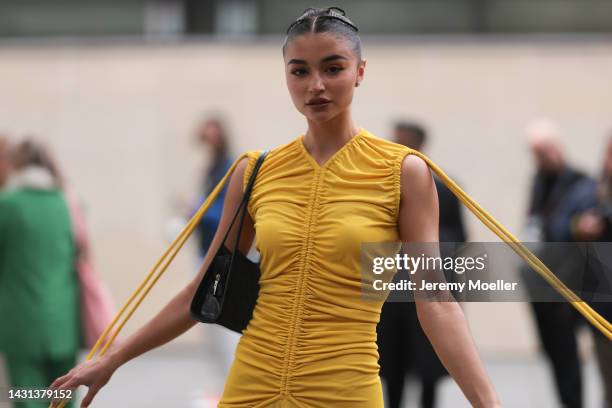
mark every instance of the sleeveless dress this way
{"type": "Point", "coordinates": [312, 340]}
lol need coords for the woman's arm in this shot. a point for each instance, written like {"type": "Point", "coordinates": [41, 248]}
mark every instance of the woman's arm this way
{"type": "Point", "coordinates": [442, 321]}
{"type": "Point", "coordinates": [175, 318]}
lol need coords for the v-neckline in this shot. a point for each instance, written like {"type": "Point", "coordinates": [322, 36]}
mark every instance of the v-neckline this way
{"type": "Point", "coordinates": [329, 161]}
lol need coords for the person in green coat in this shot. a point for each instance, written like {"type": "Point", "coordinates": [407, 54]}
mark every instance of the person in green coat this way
{"type": "Point", "coordinates": [39, 315]}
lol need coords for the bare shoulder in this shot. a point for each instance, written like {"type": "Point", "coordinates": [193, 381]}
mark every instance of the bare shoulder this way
{"type": "Point", "coordinates": [236, 181]}
{"type": "Point", "coordinates": [416, 176]}
{"type": "Point", "coordinates": [242, 165]}
{"type": "Point", "coordinates": [418, 216]}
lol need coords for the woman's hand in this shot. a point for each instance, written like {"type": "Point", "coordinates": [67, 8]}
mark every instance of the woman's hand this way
{"type": "Point", "coordinates": [93, 373]}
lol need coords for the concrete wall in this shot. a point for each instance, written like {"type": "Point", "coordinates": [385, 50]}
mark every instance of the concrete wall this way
{"type": "Point", "coordinates": [121, 118]}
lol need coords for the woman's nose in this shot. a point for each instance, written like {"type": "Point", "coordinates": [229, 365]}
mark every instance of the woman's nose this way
{"type": "Point", "coordinates": [316, 84]}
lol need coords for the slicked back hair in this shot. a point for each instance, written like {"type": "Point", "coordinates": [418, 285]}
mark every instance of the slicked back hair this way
{"type": "Point", "coordinates": [331, 20]}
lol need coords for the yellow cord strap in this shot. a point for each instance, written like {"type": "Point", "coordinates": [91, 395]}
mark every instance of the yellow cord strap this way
{"type": "Point", "coordinates": [591, 315]}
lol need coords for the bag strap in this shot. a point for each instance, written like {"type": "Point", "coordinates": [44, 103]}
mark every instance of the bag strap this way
{"type": "Point", "coordinates": [244, 202]}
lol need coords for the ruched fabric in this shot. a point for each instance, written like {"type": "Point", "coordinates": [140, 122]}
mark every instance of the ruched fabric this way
{"type": "Point", "coordinates": [312, 340]}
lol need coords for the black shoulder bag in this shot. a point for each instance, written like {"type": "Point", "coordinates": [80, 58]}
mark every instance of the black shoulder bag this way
{"type": "Point", "coordinates": [228, 292]}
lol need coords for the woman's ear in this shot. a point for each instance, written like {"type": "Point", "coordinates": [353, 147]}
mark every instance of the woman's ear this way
{"type": "Point", "coordinates": [360, 72]}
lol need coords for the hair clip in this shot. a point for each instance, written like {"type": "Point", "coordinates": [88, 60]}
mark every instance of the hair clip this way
{"type": "Point", "coordinates": [334, 9]}
{"type": "Point", "coordinates": [339, 14]}
{"type": "Point", "coordinates": [342, 19]}
{"type": "Point", "coordinates": [331, 12]}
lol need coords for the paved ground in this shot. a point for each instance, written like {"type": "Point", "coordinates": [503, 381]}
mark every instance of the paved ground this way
{"type": "Point", "coordinates": [181, 378]}
{"type": "Point", "coordinates": [191, 380]}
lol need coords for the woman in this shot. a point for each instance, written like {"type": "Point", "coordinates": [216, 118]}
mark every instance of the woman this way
{"type": "Point", "coordinates": [39, 296]}
{"type": "Point", "coordinates": [211, 133]}
{"type": "Point", "coordinates": [312, 340]}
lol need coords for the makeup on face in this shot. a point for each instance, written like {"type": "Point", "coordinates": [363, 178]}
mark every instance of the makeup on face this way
{"type": "Point", "coordinates": [320, 74]}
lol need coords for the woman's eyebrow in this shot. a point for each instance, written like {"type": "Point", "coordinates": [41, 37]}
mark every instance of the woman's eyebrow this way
{"type": "Point", "coordinates": [297, 61]}
{"type": "Point", "coordinates": [326, 59]}
{"type": "Point", "coordinates": [333, 58]}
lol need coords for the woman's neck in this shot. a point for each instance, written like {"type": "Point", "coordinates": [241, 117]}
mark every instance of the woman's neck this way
{"type": "Point", "coordinates": [322, 140]}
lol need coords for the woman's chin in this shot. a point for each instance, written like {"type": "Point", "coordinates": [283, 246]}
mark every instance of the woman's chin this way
{"type": "Point", "coordinates": [320, 117]}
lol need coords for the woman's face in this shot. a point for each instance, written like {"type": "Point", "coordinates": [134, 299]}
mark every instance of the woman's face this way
{"type": "Point", "coordinates": [210, 134]}
{"type": "Point", "coordinates": [321, 72]}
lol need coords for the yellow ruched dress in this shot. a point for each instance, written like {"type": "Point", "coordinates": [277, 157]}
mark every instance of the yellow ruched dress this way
{"type": "Point", "coordinates": [312, 340]}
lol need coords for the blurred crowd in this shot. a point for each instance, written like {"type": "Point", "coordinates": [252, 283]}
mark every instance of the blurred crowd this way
{"type": "Point", "coordinates": [46, 276]}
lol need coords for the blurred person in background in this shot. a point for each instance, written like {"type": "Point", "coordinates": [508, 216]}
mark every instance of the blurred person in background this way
{"type": "Point", "coordinates": [595, 224]}
{"type": "Point", "coordinates": [39, 299]}
{"type": "Point", "coordinates": [557, 194]}
{"type": "Point", "coordinates": [402, 344]}
{"type": "Point", "coordinates": [5, 165]}
{"type": "Point", "coordinates": [212, 134]}
{"type": "Point", "coordinates": [312, 339]}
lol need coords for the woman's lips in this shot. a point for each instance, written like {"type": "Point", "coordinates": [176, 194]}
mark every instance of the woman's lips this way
{"type": "Point", "coordinates": [318, 101]}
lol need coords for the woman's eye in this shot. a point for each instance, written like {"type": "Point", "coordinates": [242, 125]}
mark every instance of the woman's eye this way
{"type": "Point", "coordinates": [334, 70]}
{"type": "Point", "coordinates": [298, 72]}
